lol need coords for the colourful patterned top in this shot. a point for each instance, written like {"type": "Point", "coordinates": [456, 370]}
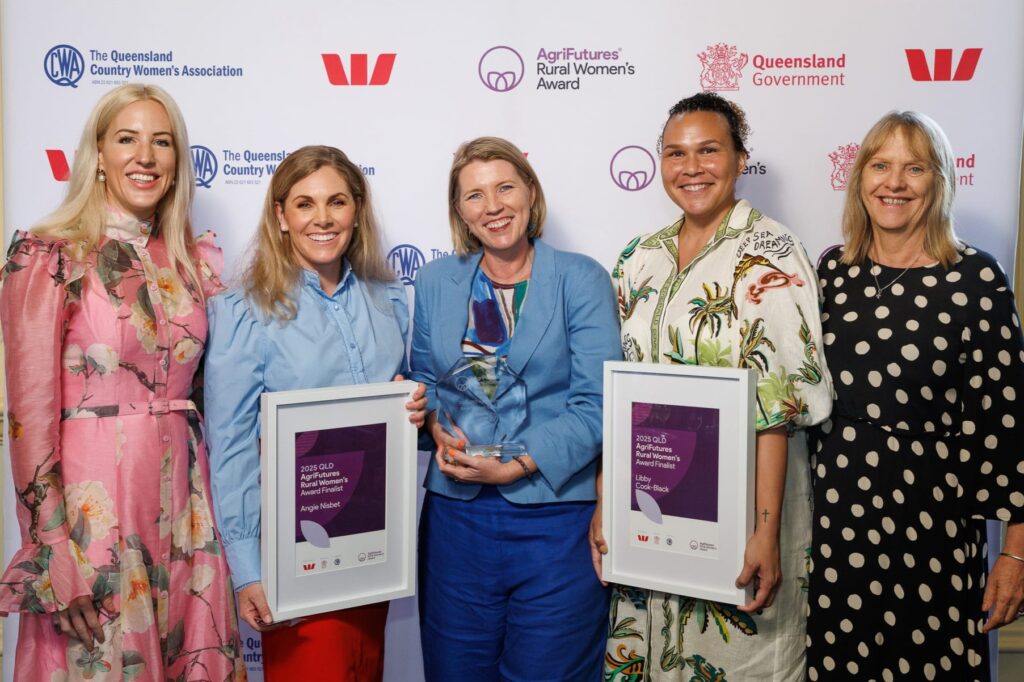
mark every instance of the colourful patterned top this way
{"type": "Point", "coordinates": [109, 462]}
{"type": "Point", "coordinates": [749, 299]}
{"type": "Point", "coordinates": [493, 314]}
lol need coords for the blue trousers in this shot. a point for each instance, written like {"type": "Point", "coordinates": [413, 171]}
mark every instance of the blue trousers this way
{"type": "Point", "coordinates": [508, 591]}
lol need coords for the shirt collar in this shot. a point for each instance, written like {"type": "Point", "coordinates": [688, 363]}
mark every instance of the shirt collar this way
{"type": "Point", "coordinates": [312, 280]}
{"type": "Point", "coordinates": [737, 221]}
{"type": "Point", "coordinates": [125, 227]}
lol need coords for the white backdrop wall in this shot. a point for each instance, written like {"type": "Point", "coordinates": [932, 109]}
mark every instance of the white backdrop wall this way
{"type": "Point", "coordinates": [582, 86]}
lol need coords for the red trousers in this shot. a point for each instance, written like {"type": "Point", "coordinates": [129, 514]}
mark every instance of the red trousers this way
{"type": "Point", "coordinates": [340, 646]}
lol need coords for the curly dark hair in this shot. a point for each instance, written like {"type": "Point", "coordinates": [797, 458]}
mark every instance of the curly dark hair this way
{"type": "Point", "coordinates": [711, 101]}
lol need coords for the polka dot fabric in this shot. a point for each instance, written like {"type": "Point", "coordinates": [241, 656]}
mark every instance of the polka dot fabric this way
{"type": "Point", "coordinates": [925, 442]}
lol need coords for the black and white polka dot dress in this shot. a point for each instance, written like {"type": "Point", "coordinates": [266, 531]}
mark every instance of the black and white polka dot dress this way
{"type": "Point", "coordinates": [925, 442]}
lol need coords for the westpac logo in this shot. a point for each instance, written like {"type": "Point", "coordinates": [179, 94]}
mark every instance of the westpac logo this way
{"type": "Point", "coordinates": [204, 163]}
{"type": "Point", "coordinates": [721, 67]}
{"type": "Point", "coordinates": [358, 69]}
{"type": "Point", "coordinates": [643, 537]}
{"type": "Point", "coordinates": [64, 65]}
{"type": "Point", "coordinates": [406, 260]}
{"type": "Point", "coordinates": [632, 168]}
{"type": "Point", "coordinates": [942, 69]}
{"type": "Point", "coordinates": [842, 161]}
{"type": "Point", "coordinates": [501, 68]}
{"type": "Point", "coordinates": [59, 166]}
{"type": "Point", "coordinates": [309, 567]}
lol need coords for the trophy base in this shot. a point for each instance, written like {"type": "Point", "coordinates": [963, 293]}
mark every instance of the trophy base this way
{"type": "Point", "coordinates": [503, 451]}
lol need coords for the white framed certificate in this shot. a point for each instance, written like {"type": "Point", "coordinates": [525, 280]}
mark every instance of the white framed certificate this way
{"type": "Point", "coordinates": [678, 482]}
{"type": "Point", "coordinates": [338, 488]}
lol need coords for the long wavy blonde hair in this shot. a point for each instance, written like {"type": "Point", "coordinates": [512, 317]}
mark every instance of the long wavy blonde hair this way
{"type": "Point", "coordinates": [270, 278]}
{"type": "Point", "coordinates": [928, 142]}
{"type": "Point", "coordinates": [80, 217]}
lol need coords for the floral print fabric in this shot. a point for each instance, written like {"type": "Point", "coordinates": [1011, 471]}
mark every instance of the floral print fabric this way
{"type": "Point", "coordinates": [109, 462]}
{"type": "Point", "coordinates": [749, 299]}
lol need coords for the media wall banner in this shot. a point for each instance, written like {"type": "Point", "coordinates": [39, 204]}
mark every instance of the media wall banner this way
{"type": "Point", "coordinates": [582, 87]}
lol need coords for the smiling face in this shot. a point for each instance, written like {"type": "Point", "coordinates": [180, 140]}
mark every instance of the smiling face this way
{"type": "Point", "coordinates": [897, 187]}
{"type": "Point", "coordinates": [319, 215]}
{"type": "Point", "coordinates": [137, 155]}
{"type": "Point", "coordinates": [700, 165]}
{"type": "Point", "coordinates": [495, 203]}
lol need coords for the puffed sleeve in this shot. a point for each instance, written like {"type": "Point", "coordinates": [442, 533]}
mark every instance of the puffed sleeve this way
{"type": "Point", "coordinates": [210, 262]}
{"type": "Point", "coordinates": [563, 446]}
{"type": "Point", "coordinates": [49, 569]}
{"type": "Point", "coordinates": [778, 325]}
{"type": "Point", "coordinates": [992, 429]}
{"type": "Point", "coordinates": [235, 364]}
{"type": "Point", "coordinates": [400, 306]}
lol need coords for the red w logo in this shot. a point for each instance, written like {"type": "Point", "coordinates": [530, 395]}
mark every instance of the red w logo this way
{"type": "Point", "coordinates": [943, 71]}
{"type": "Point", "coordinates": [58, 164]}
{"type": "Point", "coordinates": [309, 567]}
{"type": "Point", "coordinates": [358, 70]}
{"type": "Point", "coordinates": [643, 538]}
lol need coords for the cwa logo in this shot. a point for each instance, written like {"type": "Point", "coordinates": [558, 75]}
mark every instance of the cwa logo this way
{"type": "Point", "coordinates": [942, 70]}
{"type": "Point", "coordinates": [64, 65]}
{"type": "Point", "coordinates": [358, 69]}
{"type": "Point", "coordinates": [58, 164]}
{"type": "Point", "coordinates": [721, 67]}
{"type": "Point", "coordinates": [842, 161]}
{"type": "Point", "coordinates": [632, 168]}
{"type": "Point", "coordinates": [501, 68]}
{"type": "Point", "coordinates": [204, 163]}
{"type": "Point", "coordinates": [406, 260]}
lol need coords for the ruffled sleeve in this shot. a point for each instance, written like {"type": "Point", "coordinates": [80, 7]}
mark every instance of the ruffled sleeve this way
{"type": "Point", "coordinates": [235, 365]}
{"type": "Point", "coordinates": [992, 427]}
{"type": "Point", "coordinates": [778, 324]}
{"type": "Point", "coordinates": [49, 570]}
{"type": "Point", "coordinates": [210, 261]}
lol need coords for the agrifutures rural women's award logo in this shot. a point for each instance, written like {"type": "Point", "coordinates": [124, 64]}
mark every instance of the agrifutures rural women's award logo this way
{"type": "Point", "coordinates": [503, 69]}
{"type": "Point", "coordinates": [65, 65]}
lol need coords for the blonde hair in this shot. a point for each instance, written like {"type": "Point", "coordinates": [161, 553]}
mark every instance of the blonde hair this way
{"type": "Point", "coordinates": [80, 217]}
{"type": "Point", "coordinates": [270, 278]}
{"type": "Point", "coordinates": [927, 141]}
{"type": "Point", "coordinates": [491, 149]}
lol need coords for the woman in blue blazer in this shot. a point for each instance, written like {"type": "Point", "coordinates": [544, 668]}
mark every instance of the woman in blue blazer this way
{"type": "Point", "coordinates": [506, 585]}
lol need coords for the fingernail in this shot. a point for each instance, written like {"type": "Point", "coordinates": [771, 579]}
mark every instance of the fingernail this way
{"type": "Point", "coordinates": [462, 443]}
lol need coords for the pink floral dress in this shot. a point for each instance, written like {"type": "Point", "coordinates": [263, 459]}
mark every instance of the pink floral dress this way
{"type": "Point", "coordinates": [109, 464]}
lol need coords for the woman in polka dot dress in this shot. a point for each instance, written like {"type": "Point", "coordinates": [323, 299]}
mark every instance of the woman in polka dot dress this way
{"type": "Point", "coordinates": [924, 442]}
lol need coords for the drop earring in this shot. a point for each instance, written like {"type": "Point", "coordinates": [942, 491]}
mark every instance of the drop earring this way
{"type": "Point", "coordinates": [100, 175]}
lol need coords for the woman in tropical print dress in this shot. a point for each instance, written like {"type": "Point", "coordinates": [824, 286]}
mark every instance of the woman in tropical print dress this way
{"type": "Point", "coordinates": [726, 286]}
{"type": "Point", "coordinates": [120, 575]}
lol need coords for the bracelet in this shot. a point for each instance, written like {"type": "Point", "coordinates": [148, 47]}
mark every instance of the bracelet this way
{"type": "Point", "coordinates": [529, 474]}
{"type": "Point", "coordinates": [1012, 556]}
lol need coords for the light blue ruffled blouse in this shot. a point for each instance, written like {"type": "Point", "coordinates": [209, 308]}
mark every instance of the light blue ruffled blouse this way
{"type": "Point", "coordinates": [355, 336]}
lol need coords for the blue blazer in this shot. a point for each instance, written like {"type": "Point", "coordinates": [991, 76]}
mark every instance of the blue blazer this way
{"type": "Point", "coordinates": [567, 328]}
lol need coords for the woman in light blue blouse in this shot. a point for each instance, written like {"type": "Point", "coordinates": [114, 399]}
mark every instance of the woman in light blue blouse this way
{"type": "Point", "coordinates": [318, 307]}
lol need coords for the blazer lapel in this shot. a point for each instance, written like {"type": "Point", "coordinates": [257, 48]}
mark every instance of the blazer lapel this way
{"type": "Point", "coordinates": [454, 316]}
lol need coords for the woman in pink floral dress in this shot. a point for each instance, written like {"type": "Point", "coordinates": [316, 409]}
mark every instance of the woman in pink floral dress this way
{"type": "Point", "coordinates": [120, 575]}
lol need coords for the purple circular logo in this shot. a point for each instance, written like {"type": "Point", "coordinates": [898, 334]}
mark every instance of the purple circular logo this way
{"type": "Point", "coordinates": [501, 68]}
{"type": "Point", "coordinates": [632, 168]}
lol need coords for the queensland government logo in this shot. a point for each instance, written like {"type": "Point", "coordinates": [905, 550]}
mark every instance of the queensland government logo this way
{"type": "Point", "coordinates": [721, 67]}
{"type": "Point", "coordinates": [64, 65]}
{"type": "Point", "coordinates": [359, 69]}
{"type": "Point", "coordinates": [501, 68]}
{"type": "Point", "coordinates": [842, 161]}
{"type": "Point", "coordinates": [204, 163]}
{"type": "Point", "coordinates": [406, 260]}
{"type": "Point", "coordinates": [632, 168]}
{"type": "Point", "coordinates": [942, 70]}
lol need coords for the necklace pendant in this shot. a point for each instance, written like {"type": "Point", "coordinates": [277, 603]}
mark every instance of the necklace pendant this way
{"type": "Point", "coordinates": [878, 295]}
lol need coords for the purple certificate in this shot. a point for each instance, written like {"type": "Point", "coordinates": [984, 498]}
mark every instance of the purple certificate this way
{"type": "Point", "coordinates": [340, 482]}
{"type": "Point", "coordinates": [675, 461]}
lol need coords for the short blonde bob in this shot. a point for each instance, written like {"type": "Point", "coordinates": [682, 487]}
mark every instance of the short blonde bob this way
{"type": "Point", "coordinates": [80, 217]}
{"type": "Point", "coordinates": [927, 141]}
{"type": "Point", "coordinates": [272, 274]}
{"type": "Point", "coordinates": [491, 149]}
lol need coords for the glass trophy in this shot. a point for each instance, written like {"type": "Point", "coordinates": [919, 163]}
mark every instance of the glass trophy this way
{"type": "Point", "coordinates": [465, 395]}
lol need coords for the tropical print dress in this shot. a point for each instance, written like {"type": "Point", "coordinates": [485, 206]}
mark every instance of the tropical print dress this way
{"type": "Point", "coordinates": [749, 299]}
{"type": "Point", "coordinates": [109, 465]}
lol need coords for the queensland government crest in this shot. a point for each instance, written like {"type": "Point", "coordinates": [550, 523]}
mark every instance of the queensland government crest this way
{"type": "Point", "coordinates": [722, 67]}
{"type": "Point", "coordinates": [842, 161]}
